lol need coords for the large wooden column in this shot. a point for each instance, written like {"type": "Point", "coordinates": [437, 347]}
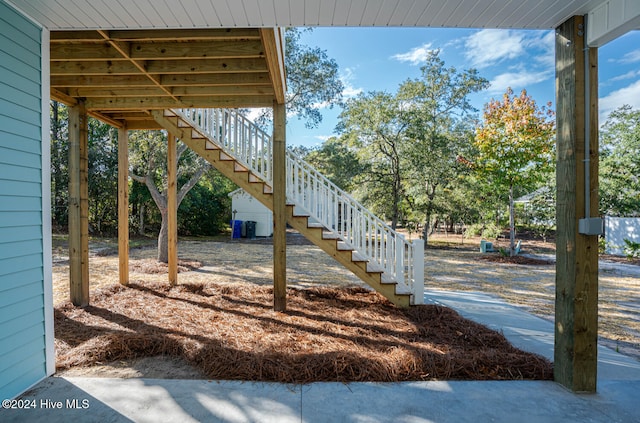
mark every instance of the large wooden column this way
{"type": "Point", "coordinates": [123, 205]}
{"type": "Point", "coordinates": [78, 206]}
{"type": "Point", "coordinates": [279, 208]}
{"type": "Point", "coordinates": [576, 314]}
{"type": "Point", "coordinates": [172, 209]}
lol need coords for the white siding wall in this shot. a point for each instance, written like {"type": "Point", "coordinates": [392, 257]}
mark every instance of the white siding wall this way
{"type": "Point", "coordinates": [23, 349]}
{"type": "Point", "coordinates": [617, 229]}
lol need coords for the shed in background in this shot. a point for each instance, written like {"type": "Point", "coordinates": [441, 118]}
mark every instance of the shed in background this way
{"type": "Point", "coordinates": [246, 208]}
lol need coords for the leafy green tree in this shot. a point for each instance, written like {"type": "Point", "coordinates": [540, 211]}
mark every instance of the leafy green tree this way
{"type": "Point", "coordinates": [516, 146]}
{"type": "Point", "coordinates": [313, 81]}
{"type": "Point", "coordinates": [148, 158]}
{"type": "Point", "coordinates": [103, 177]}
{"type": "Point", "coordinates": [440, 129]}
{"type": "Point", "coordinates": [337, 161]}
{"type": "Point", "coordinates": [312, 78]}
{"type": "Point", "coordinates": [542, 209]}
{"type": "Point", "coordinates": [206, 210]}
{"type": "Point", "coordinates": [59, 164]}
{"type": "Point", "coordinates": [375, 126]}
{"type": "Point", "coordinates": [620, 163]}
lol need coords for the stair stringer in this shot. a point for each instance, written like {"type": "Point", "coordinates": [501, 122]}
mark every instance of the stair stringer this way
{"type": "Point", "coordinates": [260, 190]}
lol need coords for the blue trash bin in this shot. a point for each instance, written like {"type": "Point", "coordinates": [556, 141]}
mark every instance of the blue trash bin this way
{"type": "Point", "coordinates": [236, 228]}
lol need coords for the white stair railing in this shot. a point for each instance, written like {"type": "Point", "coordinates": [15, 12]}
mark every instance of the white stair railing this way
{"type": "Point", "coordinates": [386, 250]}
{"type": "Point", "coordinates": [237, 136]}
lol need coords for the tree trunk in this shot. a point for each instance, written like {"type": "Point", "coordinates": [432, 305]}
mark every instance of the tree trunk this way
{"type": "Point", "coordinates": [163, 237]}
{"type": "Point", "coordinates": [427, 228]}
{"type": "Point", "coordinates": [141, 220]}
{"type": "Point", "coordinates": [512, 224]}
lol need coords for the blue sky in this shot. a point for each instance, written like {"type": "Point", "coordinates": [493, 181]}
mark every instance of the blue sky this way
{"type": "Point", "coordinates": [380, 59]}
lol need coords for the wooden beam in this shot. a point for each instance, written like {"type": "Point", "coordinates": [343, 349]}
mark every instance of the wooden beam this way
{"type": "Point", "coordinates": [108, 120]}
{"type": "Point", "coordinates": [78, 206]}
{"type": "Point", "coordinates": [63, 98]}
{"type": "Point", "coordinates": [105, 104]}
{"type": "Point", "coordinates": [576, 306]}
{"type": "Point", "coordinates": [240, 90]}
{"type": "Point", "coordinates": [81, 67]}
{"type": "Point", "coordinates": [279, 208]}
{"type": "Point", "coordinates": [100, 81]}
{"type": "Point", "coordinates": [127, 81]}
{"type": "Point", "coordinates": [123, 205]}
{"type": "Point", "coordinates": [225, 34]}
{"type": "Point", "coordinates": [74, 36]}
{"type": "Point", "coordinates": [161, 50]}
{"type": "Point", "coordinates": [125, 50]}
{"type": "Point", "coordinates": [144, 124]}
{"type": "Point", "coordinates": [159, 67]}
{"type": "Point", "coordinates": [157, 35]}
{"type": "Point", "coordinates": [172, 209]}
{"type": "Point", "coordinates": [197, 50]}
{"type": "Point", "coordinates": [274, 54]}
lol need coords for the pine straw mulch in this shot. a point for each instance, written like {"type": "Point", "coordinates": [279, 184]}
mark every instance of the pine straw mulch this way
{"type": "Point", "coordinates": [231, 332]}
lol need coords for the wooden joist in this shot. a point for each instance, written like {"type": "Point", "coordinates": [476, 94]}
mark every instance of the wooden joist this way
{"type": "Point", "coordinates": [138, 70]}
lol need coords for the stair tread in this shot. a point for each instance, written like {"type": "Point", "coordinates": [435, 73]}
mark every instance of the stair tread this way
{"type": "Point", "coordinates": [329, 235]}
{"type": "Point", "coordinates": [315, 225]}
{"type": "Point", "coordinates": [343, 246]}
{"type": "Point", "coordinates": [385, 278]}
{"type": "Point", "coordinates": [355, 256]}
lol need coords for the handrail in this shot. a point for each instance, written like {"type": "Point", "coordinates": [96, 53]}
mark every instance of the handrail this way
{"type": "Point", "coordinates": [336, 210]}
{"type": "Point", "coordinates": [237, 135]}
{"type": "Point", "coordinates": [352, 223]}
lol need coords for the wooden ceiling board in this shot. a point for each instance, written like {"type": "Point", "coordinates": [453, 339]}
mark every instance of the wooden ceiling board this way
{"type": "Point", "coordinates": [139, 70]}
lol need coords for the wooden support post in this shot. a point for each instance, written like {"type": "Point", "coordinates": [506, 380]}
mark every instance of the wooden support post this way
{"type": "Point", "coordinates": [78, 206]}
{"type": "Point", "coordinates": [123, 205]}
{"type": "Point", "coordinates": [172, 209]}
{"type": "Point", "coordinates": [576, 307]}
{"type": "Point", "coordinates": [279, 208]}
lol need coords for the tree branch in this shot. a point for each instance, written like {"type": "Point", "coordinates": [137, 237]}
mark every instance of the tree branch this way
{"type": "Point", "coordinates": [191, 183]}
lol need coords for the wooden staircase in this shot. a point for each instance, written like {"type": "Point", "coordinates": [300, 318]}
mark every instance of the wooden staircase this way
{"type": "Point", "coordinates": [199, 141]}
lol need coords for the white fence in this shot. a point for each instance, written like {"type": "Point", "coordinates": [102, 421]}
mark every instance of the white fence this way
{"type": "Point", "coordinates": [617, 229]}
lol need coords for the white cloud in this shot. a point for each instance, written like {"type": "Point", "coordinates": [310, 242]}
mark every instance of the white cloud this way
{"type": "Point", "coordinates": [491, 46]}
{"type": "Point", "coordinates": [350, 91]}
{"type": "Point", "coordinates": [322, 138]}
{"type": "Point", "coordinates": [629, 75]}
{"type": "Point", "coordinates": [631, 57]}
{"type": "Point", "coordinates": [347, 76]}
{"type": "Point", "coordinates": [517, 80]}
{"type": "Point", "coordinates": [627, 95]}
{"type": "Point", "coordinates": [255, 113]}
{"type": "Point", "coordinates": [547, 44]}
{"type": "Point", "coordinates": [415, 56]}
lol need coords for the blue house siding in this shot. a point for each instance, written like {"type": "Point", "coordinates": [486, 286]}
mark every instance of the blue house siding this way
{"type": "Point", "coordinates": [23, 345]}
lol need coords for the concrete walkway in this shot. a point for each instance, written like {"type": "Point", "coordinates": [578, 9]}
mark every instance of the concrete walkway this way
{"type": "Point", "coordinates": [162, 400]}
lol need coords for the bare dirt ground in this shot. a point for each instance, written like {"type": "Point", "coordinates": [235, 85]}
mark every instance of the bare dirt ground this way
{"type": "Point", "coordinates": [450, 265]}
{"type": "Point", "coordinates": [454, 266]}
